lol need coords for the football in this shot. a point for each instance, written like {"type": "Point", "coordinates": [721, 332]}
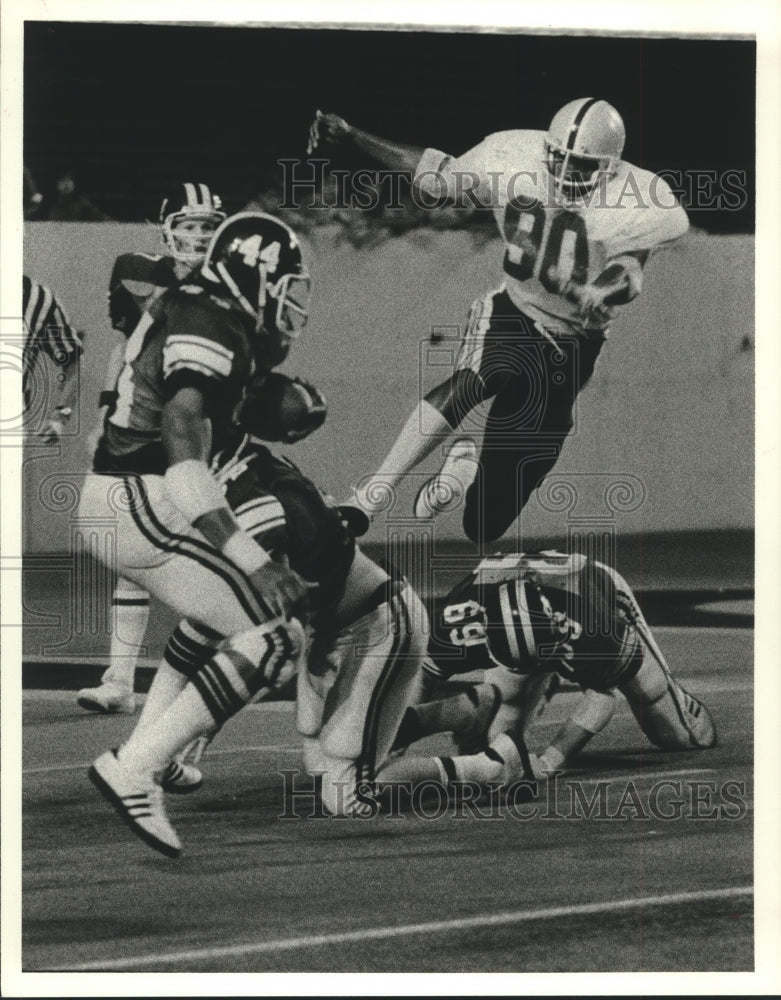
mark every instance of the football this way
{"type": "Point", "coordinates": [280, 408]}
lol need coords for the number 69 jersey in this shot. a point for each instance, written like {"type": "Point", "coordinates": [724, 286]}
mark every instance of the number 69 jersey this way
{"type": "Point", "coordinates": [540, 612]}
{"type": "Point", "coordinates": [549, 244]}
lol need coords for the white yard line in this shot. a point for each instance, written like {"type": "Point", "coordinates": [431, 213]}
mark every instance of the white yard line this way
{"type": "Point", "coordinates": [270, 748]}
{"type": "Point", "coordinates": [405, 930]}
{"type": "Point", "coordinates": [639, 775]}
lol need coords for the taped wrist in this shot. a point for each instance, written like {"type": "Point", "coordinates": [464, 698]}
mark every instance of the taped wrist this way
{"type": "Point", "coordinates": [242, 550]}
{"type": "Point", "coordinates": [193, 489]}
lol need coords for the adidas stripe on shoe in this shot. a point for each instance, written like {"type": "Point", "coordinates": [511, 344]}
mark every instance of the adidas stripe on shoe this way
{"type": "Point", "coordinates": [137, 800]}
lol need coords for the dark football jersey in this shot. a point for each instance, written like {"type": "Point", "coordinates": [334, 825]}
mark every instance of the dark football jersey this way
{"type": "Point", "coordinates": [546, 612]}
{"type": "Point", "coordinates": [137, 281]}
{"type": "Point", "coordinates": [288, 515]}
{"type": "Point", "coordinates": [192, 338]}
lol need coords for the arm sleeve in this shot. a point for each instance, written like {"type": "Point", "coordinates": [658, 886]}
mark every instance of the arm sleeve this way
{"type": "Point", "coordinates": [462, 180]}
{"type": "Point", "coordinates": [199, 351]}
{"type": "Point", "coordinates": [657, 221]}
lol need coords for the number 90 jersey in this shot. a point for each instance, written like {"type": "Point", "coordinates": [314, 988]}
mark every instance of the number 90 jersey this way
{"type": "Point", "coordinates": [549, 244]}
{"type": "Point", "coordinates": [540, 612]}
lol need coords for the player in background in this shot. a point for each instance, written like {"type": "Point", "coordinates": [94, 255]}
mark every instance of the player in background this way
{"type": "Point", "coordinates": [189, 215]}
{"type": "Point", "coordinates": [49, 332]}
{"type": "Point", "coordinates": [526, 620]}
{"type": "Point", "coordinates": [578, 225]}
{"type": "Point", "coordinates": [171, 531]}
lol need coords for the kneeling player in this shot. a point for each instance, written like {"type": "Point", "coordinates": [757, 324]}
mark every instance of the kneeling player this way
{"type": "Point", "coordinates": [364, 664]}
{"type": "Point", "coordinates": [527, 620]}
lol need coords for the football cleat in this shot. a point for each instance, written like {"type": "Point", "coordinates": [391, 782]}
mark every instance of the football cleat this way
{"type": "Point", "coordinates": [137, 800]}
{"type": "Point", "coordinates": [698, 720]}
{"type": "Point", "coordinates": [109, 698]}
{"type": "Point", "coordinates": [473, 737]}
{"type": "Point", "coordinates": [445, 491]}
{"type": "Point", "coordinates": [180, 778]}
{"type": "Point", "coordinates": [182, 775]}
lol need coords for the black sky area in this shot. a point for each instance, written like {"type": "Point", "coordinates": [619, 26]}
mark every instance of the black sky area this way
{"type": "Point", "coordinates": [133, 108]}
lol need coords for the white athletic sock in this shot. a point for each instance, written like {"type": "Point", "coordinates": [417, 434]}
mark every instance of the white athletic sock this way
{"type": "Point", "coordinates": [489, 765]}
{"type": "Point", "coordinates": [167, 684]}
{"type": "Point", "coordinates": [131, 617]}
{"type": "Point", "coordinates": [188, 649]}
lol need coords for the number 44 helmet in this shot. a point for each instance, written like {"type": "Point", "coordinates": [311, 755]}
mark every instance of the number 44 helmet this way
{"type": "Point", "coordinates": [258, 260]}
{"type": "Point", "coordinates": [584, 143]}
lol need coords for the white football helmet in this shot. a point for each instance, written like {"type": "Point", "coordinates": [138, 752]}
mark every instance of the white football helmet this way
{"type": "Point", "coordinates": [189, 217]}
{"type": "Point", "coordinates": [584, 143]}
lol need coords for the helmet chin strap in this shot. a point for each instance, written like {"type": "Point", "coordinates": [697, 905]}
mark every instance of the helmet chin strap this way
{"type": "Point", "coordinates": [235, 291]}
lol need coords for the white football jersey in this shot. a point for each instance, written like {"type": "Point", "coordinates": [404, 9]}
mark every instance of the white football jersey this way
{"type": "Point", "coordinates": [548, 244]}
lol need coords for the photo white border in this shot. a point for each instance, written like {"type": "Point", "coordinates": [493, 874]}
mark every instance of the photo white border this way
{"type": "Point", "coordinates": [660, 18]}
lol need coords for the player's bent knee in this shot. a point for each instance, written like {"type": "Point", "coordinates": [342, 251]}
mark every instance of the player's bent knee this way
{"type": "Point", "coordinates": [267, 656]}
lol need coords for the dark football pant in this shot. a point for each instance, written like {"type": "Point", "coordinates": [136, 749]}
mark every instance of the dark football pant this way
{"type": "Point", "coordinates": [535, 378]}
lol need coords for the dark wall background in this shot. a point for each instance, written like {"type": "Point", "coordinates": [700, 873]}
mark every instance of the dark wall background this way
{"type": "Point", "coordinates": [131, 108]}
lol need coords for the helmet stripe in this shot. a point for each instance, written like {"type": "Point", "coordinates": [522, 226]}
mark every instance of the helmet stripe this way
{"type": "Point", "coordinates": [190, 195]}
{"type": "Point", "coordinates": [578, 121]}
{"type": "Point", "coordinates": [205, 196]}
{"type": "Point", "coordinates": [522, 608]}
{"type": "Point", "coordinates": [509, 624]}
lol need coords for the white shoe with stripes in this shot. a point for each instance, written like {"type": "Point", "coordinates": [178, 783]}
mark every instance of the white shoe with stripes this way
{"type": "Point", "coordinates": [182, 776]}
{"type": "Point", "coordinates": [109, 698]}
{"type": "Point", "coordinates": [138, 800]}
{"type": "Point", "coordinates": [445, 491]}
{"type": "Point", "coordinates": [697, 719]}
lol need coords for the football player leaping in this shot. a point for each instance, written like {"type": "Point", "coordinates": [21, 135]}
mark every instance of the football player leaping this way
{"type": "Point", "coordinates": [578, 225]}
{"type": "Point", "coordinates": [189, 215]}
{"type": "Point", "coordinates": [526, 620]}
{"type": "Point", "coordinates": [170, 530]}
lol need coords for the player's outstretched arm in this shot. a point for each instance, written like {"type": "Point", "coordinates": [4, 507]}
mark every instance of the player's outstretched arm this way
{"type": "Point", "coordinates": [330, 129]}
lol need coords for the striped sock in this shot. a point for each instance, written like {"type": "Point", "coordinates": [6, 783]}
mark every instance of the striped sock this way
{"type": "Point", "coordinates": [130, 607]}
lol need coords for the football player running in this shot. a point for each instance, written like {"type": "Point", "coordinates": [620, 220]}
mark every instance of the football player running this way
{"type": "Point", "coordinates": [189, 215]}
{"type": "Point", "coordinates": [528, 620]}
{"type": "Point", "coordinates": [578, 225]}
{"type": "Point", "coordinates": [170, 530]}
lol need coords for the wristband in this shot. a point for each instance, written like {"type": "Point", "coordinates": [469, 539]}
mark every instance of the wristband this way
{"type": "Point", "coordinates": [245, 552]}
{"type": "Point", "coordinates": [193, 489]}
